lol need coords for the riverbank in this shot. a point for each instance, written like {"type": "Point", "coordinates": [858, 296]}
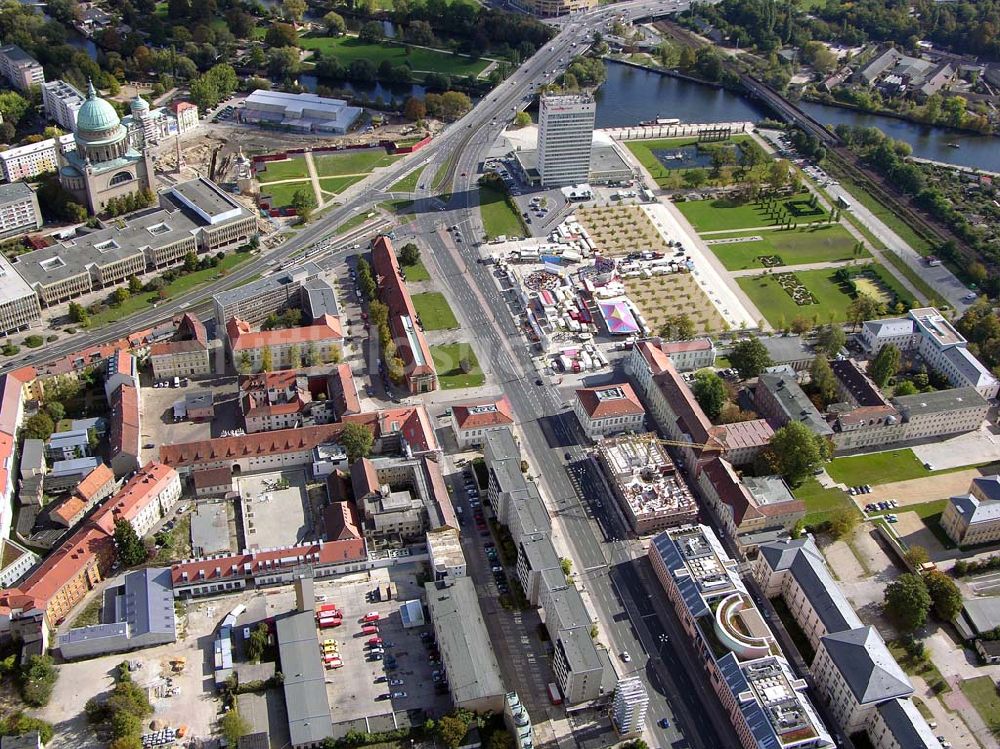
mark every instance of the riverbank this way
{"type": "Point", "coordinates": [668, 71]}
{"type": "Point", "coordinates": [830, 101]}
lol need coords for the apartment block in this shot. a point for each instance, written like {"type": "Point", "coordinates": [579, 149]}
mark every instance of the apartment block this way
{"type": "Point", "coordinates": [689, 356]}
{"type": "Point", "coordinates": [974, 518]}
{"type": "Point", "coordinates": [287, 347]}
{"type": "Point", "coordinates": [470, 421]}
{"type": "Point", "coordinates": [147, 497]}
{"type": "Point", "coordinates": [62, 103]}
{"type": "Point", "coordinates": [628, 709]}
{"type": "Point", "coordinates": [20, 68]}
{"type": "Point", "coordinates": [767, 705]}
{"type": "Point", "coordinates": [19, 212]}
{"type": "Point", "coordinates": [608, 409]}
{"type": "Point", "coordinates": [187, 353]}
{"type": "Point", "coordinates": [27, 162]}
{"type": "Point", "coordinates": [254, 302]}
{"type": "Point", "coordinates": [19, 306]}
{"type": "Point", "coordinates": [565, 138]}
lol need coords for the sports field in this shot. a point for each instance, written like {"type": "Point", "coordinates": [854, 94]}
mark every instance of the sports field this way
{"type": "Point", "coordinates": [727, 215]}
{"type": "Point", "coordinates": [821, 244]}
{"type": "Point", "coordinates": [347, 49]}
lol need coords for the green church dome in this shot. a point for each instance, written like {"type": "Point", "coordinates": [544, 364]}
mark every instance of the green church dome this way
{"type": "Point", "coordinates": [96, 115]}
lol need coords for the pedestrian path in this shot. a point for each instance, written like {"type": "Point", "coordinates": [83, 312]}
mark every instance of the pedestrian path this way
{"type": "Point", "coordinates": [830, 264]}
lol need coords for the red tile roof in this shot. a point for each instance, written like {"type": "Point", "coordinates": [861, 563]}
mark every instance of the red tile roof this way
{"type": "Point", "coordinates": [341, 522]}
{"type": "Point", "coordinates": [211, 477]}
{"type": "Point", "coordinates": [125, 421]}
{"type": "Point", "coordinates": [141, 489]}
{"type": "Point", "coordinates": [413, 425]}
{"type": "Point", "coordinates": [484, 413]}
{"type": "Point", "coordinates": [254, 445]}
{"type": "Point", "coordinates": [94, 481]}
{"type": "Point", "coordinates": [364, 479]}
{"type": "Point", "coordinates": [10, 401]}
{"type": "Point", "coordinates": [242, 338]}
{"type": "Point", "coordinates": [239, 566]}
{"type": "Point", "coordinates": [691, 419]}
{"type": "Point", "coordinates": [678, 347]}
{"type": "Point", "coordinates": [190, 336]}
{"type": "Point", "coordinates": [68, 509]}
{"type": "Point", "coordinates": [655, 358]}
{"type": "Point", "coordinates": [607, 401]}
{"type": "Point", "coordinates": [753, 433]}
{"type": "Point", "coordinates": [342, 390]}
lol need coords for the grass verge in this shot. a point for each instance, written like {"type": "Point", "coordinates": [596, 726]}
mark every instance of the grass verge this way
{"type": "Point", "coordinates": [409, 182]}
{"type": "Point", "coordinates": [434, 311]}
{"type": "Point", "coordinates": [821, 502]}
{"type": "Point", "coordinates": [498, 217]}
{"type": "Point", "coordinates": [448, 359]}
{"type": "Point", "coordinates": [416, 272]}
{"type": "Point", "coordinates": [920, 666]}
{"type": "Point", "coordinates": [293, 168]}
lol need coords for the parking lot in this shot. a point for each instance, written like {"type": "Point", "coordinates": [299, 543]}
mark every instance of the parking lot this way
{"type": "Point", "coordinates": [399, 674]}
{"type": "Point", "coordinates": [157, 413]}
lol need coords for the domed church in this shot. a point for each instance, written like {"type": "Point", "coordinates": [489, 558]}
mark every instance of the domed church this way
{"type": "Point", "coordinates": [106, 164]}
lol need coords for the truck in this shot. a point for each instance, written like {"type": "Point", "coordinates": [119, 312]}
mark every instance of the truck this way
{"type": "Point", "coordinates": [371, 629]}
{"type": "Point", "coordinates": [327, 607]}
{"type": "Point", "coordinates": [330, 621]}
{"type": "Point", "coordinates": [371, 616]}
{"type": "Point", "coordinates": [554, 697]}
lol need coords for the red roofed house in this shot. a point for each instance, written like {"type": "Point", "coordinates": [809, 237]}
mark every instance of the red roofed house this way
{"type": "Point", "coordinates": [471, 420]}
{"type": "Point", "coordinates": [609, 409]}
{"type": "Point", "coordinates": [411, 346]}
{"type": "Point", "coordinates": [407, 431]}
{"type": "Point", "coordinates": [12, 395]}
{"type": "Point", "coordinates": [186, 114]}
{"type": "Point", "coordinates": [125, 430]}
{"type": "Point", "coordinates": [274, 400]}
{"type": "Point", "coordinates": [341, 522]}
{"type": "Point", "coordinates": [690, 355]}
{"type": "Point", "coordinates": [342, 392]}
{"type": "Point", "coordinates": [213, 482]}
{"type": "Point", "coordinates": [99, 484]}
{"type": "Point", "coordinates": [201, 577]}
{"type": "Point", "coordinates": [122, 370]}
{"type": "Point", "coordinates": [147, 497]}
{"type": "Point", "coordinates": [289, 347]}
{"type": "Point", "coordinates": [185, 354]}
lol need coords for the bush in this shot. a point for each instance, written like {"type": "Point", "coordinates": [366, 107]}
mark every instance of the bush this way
{"type": "Point", "coordinates": [9, 349]}
{"type": "Point", "coordinates": [33, 341]}
{"type": "Point", "coordinates": [38, 677]}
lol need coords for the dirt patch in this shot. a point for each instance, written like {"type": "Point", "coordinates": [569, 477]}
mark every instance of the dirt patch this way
{"type": "Point", "coordinates": [912, 531]}
{"type": "Point", "coordinates": [619, 230]}
{"type": "Point", "coordinates": [843, 563]}
{"type": "Point", "coordinates": [917, 491]}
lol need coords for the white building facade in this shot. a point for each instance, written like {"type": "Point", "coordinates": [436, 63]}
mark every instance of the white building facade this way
{"type": "Point", "coordinates": [62, 103]}
{"type": "Point", "coordinates": [565, 138]}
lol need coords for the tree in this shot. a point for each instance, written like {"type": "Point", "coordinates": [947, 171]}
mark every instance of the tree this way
{"type": "Point", "coordinates": [283, 62]}
{"type": "Point", "coordinates": [119, 296]}
{"type": "Point", "coordinates": [409, 254]}
{"type": "Point", "coordinates": [414, 109]}
{"type": "Point", "coordinates": [38, 677]}
{"type": "Point", "coordinates": [695, 178]}
{"type": "Point", "coordinates": [907, 602]}
{"type": "Point", "coordinates": [131, 550]}
{"type": "Point", "coordinates": [293, 10]}
{"type": "Point", "coordinates": [822, 379]}
{"type": "Point", "coordinates": [281, 35]}
{"type": "Point", "coordinates": [334, 23]}
{"type": "Point", "coordinates": [451, 729]}
{"type": "Point", "coordinates": [710, 392]}
{"type": "Point", "coordinates": [916, 555]}
{"type": "Point", "coordinates": [258, 642]}
{"type": "Point", "coordinates": [749, 357]}
{"type": "Point", "coordinates": [303, 201]}
{"type": "Point", "coordinates": [371, 32]}
{"type": "Point", "coordinates": [906, 387]}
{"type": "Point", "coordinates": [864, 307]}
{"type": "Point", "coordinates": [266, 360]}
{"type": "Point", "coordinates": [420, 33]}
{"type": "Point", "coordinates": [294, 356]}
{"type": "Point", "coordinates": [39, 427]}
{"type": "Point", "coordinates": [13, 106]}
{"type": "Point", "coordinates": [500, 740]}
{"type": "Point", "coordinates": [522, 119]}
{"type": "Point", "coordinates": [795, 452]}
{"type": "Point", "coordinates": [78, 314]}
{"type": "Point", "coordinates": [357, 440]}
{"type": "Point", "coordinates": [233, 726]}
{"type": "Point", "coordinates": [884, 365]}
{"type": "Point", "coordinates": [679, 327]}
{"type": "Point", "coordinates": [843, 522]}
{"type": "Point", "coordinates": [777, 174]}
{"type": "Point", "coordinates": [55, 410]}
{"type": "Point", "coordinates": [945, 595]}
{"type": "Point", "coordinates": [830, 339]}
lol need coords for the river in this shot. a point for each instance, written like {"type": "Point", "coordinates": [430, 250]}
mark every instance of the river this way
{"type": "Point", "coordinates": [630, 95]}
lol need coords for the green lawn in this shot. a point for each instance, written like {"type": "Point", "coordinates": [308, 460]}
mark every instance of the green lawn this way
{"type": "Point", "coordinates": [347, 49]}
{"type": "Point", "coordinates": [447, 361]}
{"type": "Point", "coordinates": [352, 223]}
{"type": "Point", "coordinates": [821, 502]}
{"type": "Point", "coordinates": [725, 215]}
{"type": "Point", "coordinates": [416, 272]}
{"type": "Point", "coordinates": [338, 184]}
{"type": "Point", "coordinates": [923, 667]}
{"type": "Point", "coordinates": [359, 161]}
{"type": "Point", "coordinates": [673, 177]}
{"type": "Point", "coordinates": [434, 312]}
{"type": "Point", "coordinates": [281, 194]}
{"type": "Point", "coordinates": [877, 468]}
{"type": "Point", "coordinates": [498, 218]}
{"type": "Point", "coordinates": [143, 301]}
{"type": "Point", "coordinates": [776, 305]}
{"type": "Point", "coordinates": [409, 182]}
{"type": "Point", "coordinates": [982, 693]}
{"type": "Point", "coordinates": [821, 244]}
{"type": "Point", "coordinates": [294, 168]}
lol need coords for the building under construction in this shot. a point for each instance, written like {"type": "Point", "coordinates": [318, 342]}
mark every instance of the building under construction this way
{"type": "Point", "coordinates": [650, 492]}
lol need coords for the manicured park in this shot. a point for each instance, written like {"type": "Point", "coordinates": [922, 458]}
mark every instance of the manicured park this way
{"type": "Point", "coordinates": [821, 502]}
{"type": "Point", "coordinates": [434, 311]}
{"type": "Point", "coordinates": [498, 218]}
{"type": "Point", "coordinates": [448, 359]}
{"type": "Point", "coordinates": [722, 214]}
{"type": "Point", "coordinates": [347, 49]}
{"type": "Point", "coordinates": [807, 244]}
{"type": "Point", "coordinates": [877, 468]}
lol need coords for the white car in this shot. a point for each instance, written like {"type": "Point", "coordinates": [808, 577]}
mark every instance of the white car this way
{"type": "Point", "coordinates": [626, 657]}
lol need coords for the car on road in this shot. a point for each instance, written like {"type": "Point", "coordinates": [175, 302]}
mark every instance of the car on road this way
{"type": "Point", "coordinates": [663, 723]}
{"type": "Point", "coordinates": [396, 683]}
{"type": "Point", "coordinates": [626, 657]}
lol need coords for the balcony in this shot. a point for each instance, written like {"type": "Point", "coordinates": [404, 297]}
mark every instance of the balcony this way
{"type": "Point", "coordinates": [739, 627]}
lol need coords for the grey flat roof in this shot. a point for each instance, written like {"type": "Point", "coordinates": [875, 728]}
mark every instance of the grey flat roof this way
{"type": "Point", "coordinates": [939, 400]}
{"type": "Point", "coordinates": [464, 642]}
{"type": "Point", "coordinates": [12, 286]}
{"type": "Point", "coordinates": [786, 348]}
{"type": "Point", "coordinates": [148, 603]}
{"type": "Point", "coordinates": [75, 465]}
{"type": "Point", "coordinates": [578, 647]}
{"type": "Point", "coordinates": [567, 608]}
{"type": "Point", "coordinates": [531, 513]}
{"type": "Point", "coordinates": [274, 281]}
{"type": "Point", "coordinates": [210, 528]}
{"type": "Point", "coordinates": [32, 454]}
{"type": "Point", "coordinates": [198, 399]}
{"type": "Point", "coordinates": [11, 191]}
{"type": "Point", "coordinates": [867, 666]}
{"type": "Point", "coordinates": [540, 553]}
{"type": "Point", "coordinates": [206, 196]}
{"type": "Point", "coordinates": [320, 298]}
{"type": "Point", "coordinates": [13, 52]}
{"type": "Point", "coordinates": [308, 706]}
{"type": "Point", "coordinates": [768, 489]}
{"type": "Point", "coordinates": [603, 159]}
{"type": "Point", "coordinates": [982, 614]}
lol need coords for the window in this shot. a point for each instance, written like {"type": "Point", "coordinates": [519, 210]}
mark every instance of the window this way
{"type": "Point", "coordinates": [120, 179]}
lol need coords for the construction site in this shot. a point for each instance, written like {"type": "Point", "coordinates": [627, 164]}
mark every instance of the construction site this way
{"type": "Point", "coordinates": [651, 493]}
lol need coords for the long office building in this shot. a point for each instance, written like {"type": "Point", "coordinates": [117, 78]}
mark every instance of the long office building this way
{"type": "Point", "coordinates": [20, 68]}
{"type": "Point", "coordinates": [767, 704]}
{"type": "Point", "coordinates": [565, 135]}
{"type": "Point", "coordinates": [27, 162]}
{"type": "Point", "coordinates": [62, 103]}
{"type": "Point", "coordinates": [194, 216]}
{"type": "Point", "coordinates": [554, 8]}
{"type": "Point", "coordinates": [19, 306]}
{"type": "Point", "coordinates": [19, 211]}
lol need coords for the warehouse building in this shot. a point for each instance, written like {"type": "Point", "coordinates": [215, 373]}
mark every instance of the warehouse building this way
{"type": "Point", "coordinates": [301, 113]}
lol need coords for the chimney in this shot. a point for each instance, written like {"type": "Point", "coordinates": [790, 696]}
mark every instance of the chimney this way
{"type": "Point", "coordinates": [305, 595]}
